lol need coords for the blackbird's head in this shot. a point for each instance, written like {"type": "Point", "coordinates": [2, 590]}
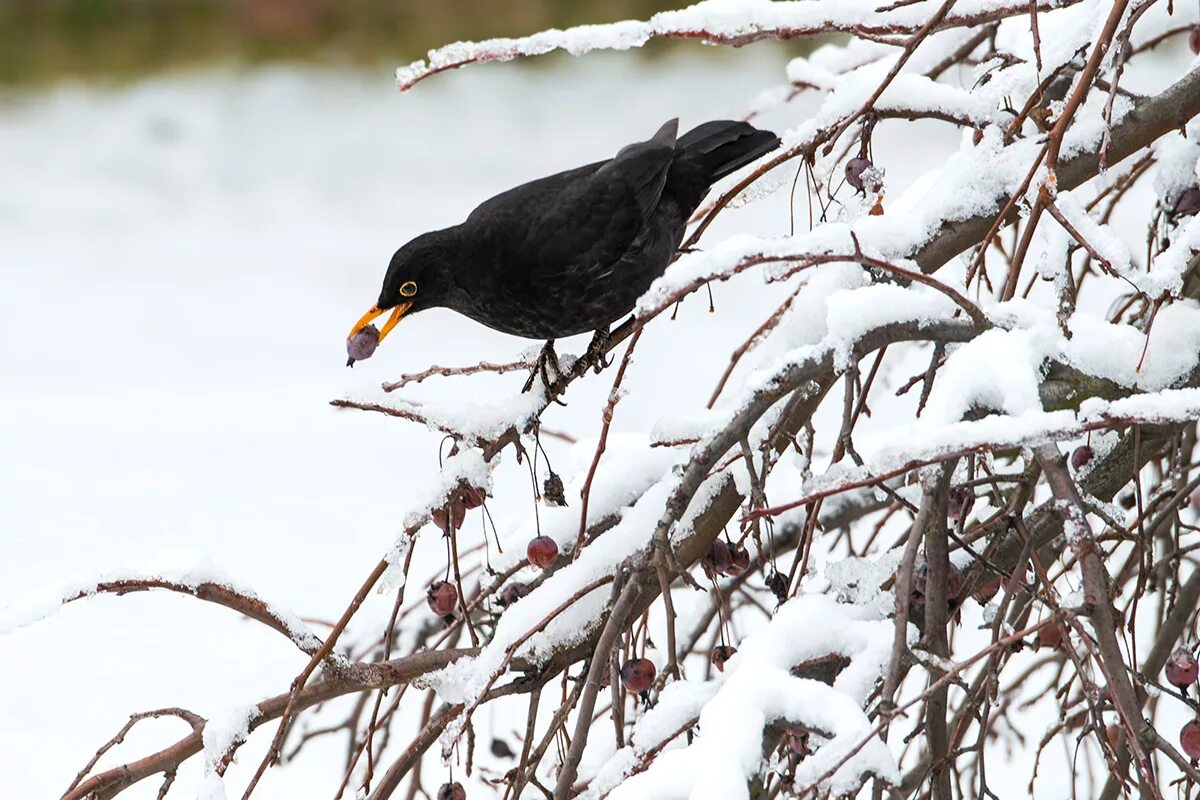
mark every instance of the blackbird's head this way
{"type": "Point", "coordinates": [416, 279]}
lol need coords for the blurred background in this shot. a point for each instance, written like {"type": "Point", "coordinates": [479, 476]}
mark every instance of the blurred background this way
{"type": "Point", "coordinates": [42, 41]}
{"type": "Point", "coordinates": [197, 199]}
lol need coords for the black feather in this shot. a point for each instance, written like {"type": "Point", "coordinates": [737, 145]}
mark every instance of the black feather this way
{"type": "Point", "coordinates": [571, 253]}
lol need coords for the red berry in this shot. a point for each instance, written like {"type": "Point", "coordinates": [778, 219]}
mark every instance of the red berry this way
{"type": "Point", "coordinates": [512, 593]}
{"type": "Point", "coordinates": [739, 561]}
{"type": "Point", "coordinates": [1182, 669]}
{"type": "Point", "coordinates": [716, 558]}
{"type": "Point", "coordinates": [1113, 734]}
{"type": "Point", "coordinates": [1050, 636]}
{"type": "Point", "coordinates": [954, 583]}
{"type": "Point", "coordinates": [452, 791]}
{"type": "Point", "coordinates": [542, 552]}
{"type": "Point", "coordinates": [1194, 40]}
{"type": "Point", "coordinates": [1189, 739]}
{"type": "Point", "coordinates": [442, 518]}
{"type": "Point", "coordinates": [637, 674]}
{"type": "Point", "coordinates": [959, 503]}
{"type": "Point", "coordinates": [1081, 456]}
{"type": "Point", "coordinates": [361, 345]}
{"type": "Point", "coordinates": [720, 655]}
{"type": "Point", "coordinates": [442, 597]}
{"type": "Point", "coordinates": [473, 497]}
{"type": "Point", "coordinates": [988, 590]}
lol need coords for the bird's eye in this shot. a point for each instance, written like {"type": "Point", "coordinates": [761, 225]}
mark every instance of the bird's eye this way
{"type": "Point", "coordinates": [408, 288]}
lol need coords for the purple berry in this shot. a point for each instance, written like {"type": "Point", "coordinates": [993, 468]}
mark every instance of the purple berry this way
{"type": "Point", "coordinates": [1081, 456]}
{"type": "Point", "coordinates": [512, 593]}
{"type": "Point", "coordinates": [1188, 203]}
{"type": "Point", "coordinates": [716, 558]}
{"type": "Point", "coordinates": [452, 791]}
{"type": "Point", "coordinates": [855, 168]}
{"type": "Point", "coordinates": [739, 561]}
{"type": "Point", "coordinates": [1189, 739]}
{"type": "Point", "coordinates": [959, 503]}
{"type": "Point", "coordinates": [361, 345]}
{"type": "Point", "coordinates": [1194, 40]}
{"type": "Point", "coordinates": [1182, 669]}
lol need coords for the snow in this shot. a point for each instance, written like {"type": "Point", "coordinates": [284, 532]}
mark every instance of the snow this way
{"type": "Point", "coordinates": [221, 735]}
{"type": "Point", "coordinates": [187, 570]}
{"type": "Point", "coordinates": [143, 424]}
{"type": "Point", "coordinates": [757, 689]}
{"type": "Point", "coordinates": [203, 269]}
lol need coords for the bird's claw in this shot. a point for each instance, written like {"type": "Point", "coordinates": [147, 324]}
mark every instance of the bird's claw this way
{"type": "Point", "coordinates": [596, 352]}
{"type": "Point", "coordinates": [542, 367]}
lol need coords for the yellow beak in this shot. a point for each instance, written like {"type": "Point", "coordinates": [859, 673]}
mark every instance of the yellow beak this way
{"type": "Point", "coordinates": [375, 311]}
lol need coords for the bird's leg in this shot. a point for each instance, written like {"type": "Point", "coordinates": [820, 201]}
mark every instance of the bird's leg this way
{"type": "Point", "coordinates": [541, 367]}
{"type": "Point", "coordinates": [596, 350]}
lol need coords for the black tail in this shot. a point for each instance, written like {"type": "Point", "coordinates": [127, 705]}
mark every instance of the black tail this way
{"type": "Point", "coordinates": [723, 146]}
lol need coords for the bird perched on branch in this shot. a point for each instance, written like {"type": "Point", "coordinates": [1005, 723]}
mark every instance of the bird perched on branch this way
{"type": "Point", "coordinates": [566, 254]}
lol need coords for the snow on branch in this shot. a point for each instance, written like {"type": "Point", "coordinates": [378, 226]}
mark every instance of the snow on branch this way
{"type": "Point", "coordinates": [730, 22]}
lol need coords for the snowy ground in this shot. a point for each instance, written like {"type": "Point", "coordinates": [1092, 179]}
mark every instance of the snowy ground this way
{"type": "Point", "coordinates": [179, 262]}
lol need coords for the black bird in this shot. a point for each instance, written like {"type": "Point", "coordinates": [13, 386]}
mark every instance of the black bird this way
{"type": "Point", "coordinates": [570, 253]}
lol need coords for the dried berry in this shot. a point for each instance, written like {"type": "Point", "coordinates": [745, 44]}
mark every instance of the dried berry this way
{"type": "Point", "coordinates": [739, 561]}
{"type": "Point", "coordinates": [500, 749]}
{"type": "Point", "coordinates": [542, 552]}
{"type": "Point", "coordinates": [1182, 669]}
{"type": "Point", "coordinates": [1189, 739]}
{"type": "Point", "coordinates": [720, 655]}
{"type": "Point", "coordinates": [855, 168]}
{"type": "Point", "coordinates": [456, 512]}
{"type": "Point", "coordinates": [452, 791]}
{"type": "Point", "coordinates": [1081, 456]}
{"type": "Point", "coordinates": [473, 497]}
{"type": "Point", "coordinates": [1188, 203]}
{"type": "Point", "coordinates": [361, 345]}
{"type": "Point", "coordinates": [637, 674]}
{"type": "Point", "coordinates": [778, 586]}
{"type": "Point", "coordinates": [512, 593]}
{"type": "Point", "coordinates": [1194, 40]}
{"type": "Point", "coordinates": [442, 597]}
{"type": "Point", "coordinates": [552, 490]}
{"type": "Point", "coordinates": [959, 503]}
{"type": "Point", "coordinates": [977, 136]}
{"type": "Point", "coordinates": [716, 558]}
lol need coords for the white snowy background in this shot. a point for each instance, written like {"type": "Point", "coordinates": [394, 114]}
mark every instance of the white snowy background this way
{"type": "Point", "coordinates": [180, 260]}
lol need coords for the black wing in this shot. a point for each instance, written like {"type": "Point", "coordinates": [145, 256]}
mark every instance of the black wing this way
{"type": "Point", "coordinates": [568, 227]}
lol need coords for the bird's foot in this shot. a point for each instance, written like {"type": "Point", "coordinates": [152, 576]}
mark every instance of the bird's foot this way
{"type": "Point", "coordinates": [546, 360]}
{"type": "Point", "coordinates": [597, 350]}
